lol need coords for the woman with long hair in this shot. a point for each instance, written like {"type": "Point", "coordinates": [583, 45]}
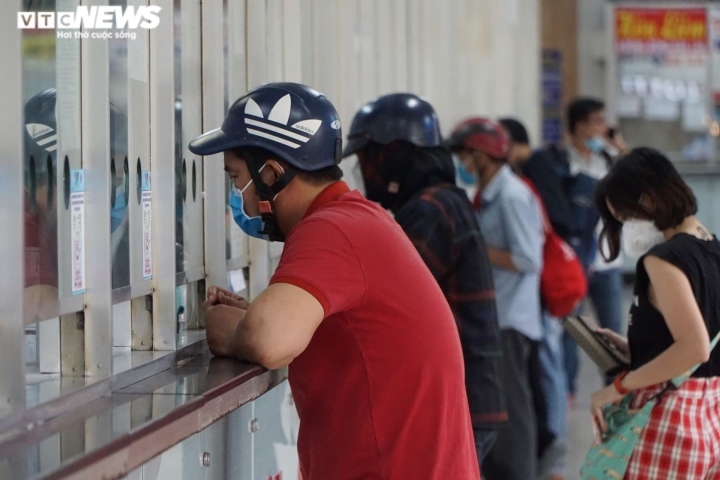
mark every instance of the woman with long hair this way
{"type": "Point", "coordinates": [674, 316]}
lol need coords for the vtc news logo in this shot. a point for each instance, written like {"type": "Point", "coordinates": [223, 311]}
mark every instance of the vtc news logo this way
{"type": "Point", "coordinates": [93, 18]}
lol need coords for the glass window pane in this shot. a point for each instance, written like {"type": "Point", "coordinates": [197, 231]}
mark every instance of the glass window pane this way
{"type": "Point", "coordinates": [226, 87]}
{"type": "Point", "coordinates": [180, 172]}
{"type": "Point", "coordinates": [236, 242]}
{"type": "Point", "coordinates": [188, 125]}
{"type": "Point", "coordinates": [119, 163]}
{"type": "Point", "coordinates": [40, 166]}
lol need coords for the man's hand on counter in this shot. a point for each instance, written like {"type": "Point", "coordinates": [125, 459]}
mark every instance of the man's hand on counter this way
{"type": "Point", "coordinates": [223, 311]}
{"type": "Point", "coordinates": [222, 321]}
{"type": "Point", "coordinates": [271, 332]}
{"type": "Point", "coordinates": [217, 295]}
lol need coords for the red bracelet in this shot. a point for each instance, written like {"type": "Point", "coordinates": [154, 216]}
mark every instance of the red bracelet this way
{"type": "Point", "coordinates": [617, 383]}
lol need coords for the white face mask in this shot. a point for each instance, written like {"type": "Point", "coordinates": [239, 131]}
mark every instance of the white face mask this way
{"type": "Point", "coordinates": [639, 236]}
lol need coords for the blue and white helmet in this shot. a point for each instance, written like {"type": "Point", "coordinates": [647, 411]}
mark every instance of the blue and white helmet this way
{"type": "Point", "coordinates": [290, 120]}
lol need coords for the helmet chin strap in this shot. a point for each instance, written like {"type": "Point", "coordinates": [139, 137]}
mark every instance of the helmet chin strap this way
{"type": "Point", "coordinates": [267, 194]}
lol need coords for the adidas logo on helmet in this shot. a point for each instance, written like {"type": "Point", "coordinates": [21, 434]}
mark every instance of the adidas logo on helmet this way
{"type": "Point", "coordinates": [280, 114]}
{"type": "Point", "coordinates": [43, 135]}
{"type": "Point", "coordinates": [281, 118]}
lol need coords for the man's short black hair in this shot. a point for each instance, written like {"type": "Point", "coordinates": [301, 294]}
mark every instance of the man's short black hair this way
{"type": "Point", "coordinates": [581, 109]}
{"type": "Point", "coordinates": [317, 178]}
{"type": "Point", "coordinates": [323, 176]}
{"type": "Point", "coordinates": [517, 131]}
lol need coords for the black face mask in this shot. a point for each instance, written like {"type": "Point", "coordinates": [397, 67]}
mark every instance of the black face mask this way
{"type": "Point", "coordinates": [394, 173]}
{"type": "Point", "coordinates": [375, 174]}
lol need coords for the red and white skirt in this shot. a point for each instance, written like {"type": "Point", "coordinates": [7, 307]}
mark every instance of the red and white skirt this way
{"type": "Point", "coordinates": [682, 439]}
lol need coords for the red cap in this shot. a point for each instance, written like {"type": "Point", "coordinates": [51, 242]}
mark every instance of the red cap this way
{"type": "Point", "coordinates": [481, 134]}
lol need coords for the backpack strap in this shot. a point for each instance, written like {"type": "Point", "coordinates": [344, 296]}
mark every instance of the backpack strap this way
{"type": "Point", "coordinates": [547, 226]}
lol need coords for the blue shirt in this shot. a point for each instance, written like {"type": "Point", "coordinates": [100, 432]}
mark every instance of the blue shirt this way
{"type": "Point", "coordinates": [509, 218]}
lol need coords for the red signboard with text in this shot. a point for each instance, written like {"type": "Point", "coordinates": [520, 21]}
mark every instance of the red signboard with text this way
{"type": "Point", "coordinates": [638, 30]}
{"type": "Point", "coordinates": [662, 59]}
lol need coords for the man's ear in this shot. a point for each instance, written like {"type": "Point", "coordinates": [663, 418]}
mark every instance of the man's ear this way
{"type": "Point", "coordinates": [273, 170]}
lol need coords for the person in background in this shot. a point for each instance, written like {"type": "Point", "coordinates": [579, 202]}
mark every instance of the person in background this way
{"type": "Point", "coordinates": [520, 148]}
{"type": "Point", "coordinates": [510, 221]}
{"type": "Point", "coordinates": [374, 359]}
{"type": "Point", "coordinates": [588, 153]}
{"type": "Point", "coordinates": [566, 176]}
{"type": "Point", "coordinates": [674, 316]}
{"type": "Point", "coordinates": [407, 170]}
{"type": "Point", "coordinates": [548, 380]}
{"type": "Point", "coordinates": [615, 142]}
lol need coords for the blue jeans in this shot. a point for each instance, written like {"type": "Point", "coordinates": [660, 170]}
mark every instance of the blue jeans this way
{"type": "Point", "coordinates": [552, 375]}
{"type": "Point", "coordinates": [605, 291]}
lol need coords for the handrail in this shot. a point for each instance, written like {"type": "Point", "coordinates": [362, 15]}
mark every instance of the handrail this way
{"type": "Point", "coordinates": [95, 389]}
{"type": "Point", "coordinates": [201, 390]}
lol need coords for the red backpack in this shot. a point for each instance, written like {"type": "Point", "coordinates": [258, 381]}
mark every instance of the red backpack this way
{"type": "Point", "coordinates": [563, 284]}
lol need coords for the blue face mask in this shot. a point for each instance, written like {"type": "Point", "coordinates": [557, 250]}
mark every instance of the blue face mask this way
{"type": "Point", "coordinates": [465, 176]}
{"type": "Point", "coordinates": [119, 211]}
{"type": "Point", "coordinates": [595, 144]}
{"type": "Point", "coordinates": [250, 225]}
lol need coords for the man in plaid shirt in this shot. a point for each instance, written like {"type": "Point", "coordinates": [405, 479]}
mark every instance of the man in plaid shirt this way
{"type": "Point", "coordinates": [406, 169]}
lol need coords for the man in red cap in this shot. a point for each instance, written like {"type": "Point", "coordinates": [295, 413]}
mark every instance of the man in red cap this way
{"type": "Point", "coordinates": [510, 221]}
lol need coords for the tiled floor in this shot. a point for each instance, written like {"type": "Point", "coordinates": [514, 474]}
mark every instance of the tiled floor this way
{"type": "Point", "coordinates": [580, 435]}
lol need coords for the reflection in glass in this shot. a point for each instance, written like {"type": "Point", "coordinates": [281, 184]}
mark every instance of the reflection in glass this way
{"type": "Point", "coordinates": [226, 91]}
{"type": "Point", "coordinates": [39, 152]}
{"type": "Point", "coordinates": [119, 225]}
{"type": "Point", "coordinates": [179, 228]}
{"type": "Point", "coordinates": [235, 239]}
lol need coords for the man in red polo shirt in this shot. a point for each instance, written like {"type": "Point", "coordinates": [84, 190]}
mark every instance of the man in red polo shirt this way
{"type": "Point", "coordinates": [376, 367]}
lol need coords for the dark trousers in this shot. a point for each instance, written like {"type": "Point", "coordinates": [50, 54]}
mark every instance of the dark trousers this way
{"type": "Point", "coordinates": [484, 440]}
{"type": "Point", "coordinates": [514, 455]}
{"type": "Point", "coordinates": [545, 435]}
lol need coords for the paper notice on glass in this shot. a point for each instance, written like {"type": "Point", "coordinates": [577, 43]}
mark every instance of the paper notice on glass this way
{"type": "Point", "coordinates": [237, 280]}
{"type": "Point", "coordinates": [694, 116]}
{"type": "Point", "coordinates": [147, 226]}
{"type": "Point", "coordinates": [77, 230]}
{"type": "Point", "coordinates": [629, 106]}
{"type": "Point", "coordinates": [661, 109]}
